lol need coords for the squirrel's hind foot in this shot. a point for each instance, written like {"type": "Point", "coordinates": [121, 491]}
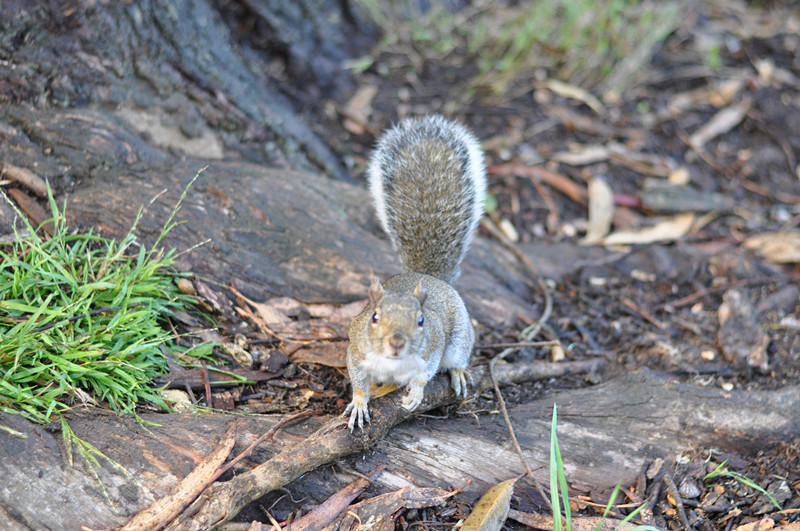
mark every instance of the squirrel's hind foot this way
{"type": "Point", "coordinates": [458, 381]}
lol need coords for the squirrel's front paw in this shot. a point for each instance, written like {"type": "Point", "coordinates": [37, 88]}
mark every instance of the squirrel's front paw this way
{"type": "Point", "coordinates": [458, 381]}
{"type": "Point", "coordinates": [359, 413]}
{"type": "Point", "coordinates": [413, 399]}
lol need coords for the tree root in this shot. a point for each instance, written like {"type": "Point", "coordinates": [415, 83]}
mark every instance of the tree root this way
{"type": "Point", "coordinates": [224, 500]}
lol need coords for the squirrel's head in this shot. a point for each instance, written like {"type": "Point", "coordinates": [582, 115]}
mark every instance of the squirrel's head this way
{"type": "Point", "coordinates": [397, 323]}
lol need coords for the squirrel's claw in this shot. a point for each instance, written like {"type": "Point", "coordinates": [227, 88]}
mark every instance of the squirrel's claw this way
{"type": "Point", "coordinates": [414, 398]}
{"type": "Point", "coordinates": [359, 413]}
{"type": "Point", "coordinates": [458, 381]}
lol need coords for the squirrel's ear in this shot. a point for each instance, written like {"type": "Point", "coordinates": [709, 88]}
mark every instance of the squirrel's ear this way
{"type": "Point", "coordinates": [421, 292]}
{"type": "Point", "coordinates": [375, 290]}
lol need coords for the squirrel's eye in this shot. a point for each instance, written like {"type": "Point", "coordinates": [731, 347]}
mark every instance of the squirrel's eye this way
{"type": "Point", "coordinates": [375, 318]}
{"type": "Point", "coordinates": [420, 321]}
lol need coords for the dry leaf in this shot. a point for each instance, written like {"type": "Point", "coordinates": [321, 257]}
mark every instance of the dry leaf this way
{"type": "Point", "coordinates": [664, 197]}
{"type": "Point", "coordinates": [668, 230]}
{"type": "Point", "coordinates": [358, 109]}
{"type": "Point", "coordinates": [376, 391]}
{"type": "Point", "coordinates": [575, 93]}
{"type": "Point", "coordinates": [345, 314]}
{"type": "Point", "coordinates": [601, 211]}
{"type": "Point", "coordinates": [722, 122]}
{"type": "Point", "coordinates": [777, 247]}
{"type": "Point", "coordinates": [328, 354]}
{"type": "Point", "coordinates": [644, 163]}
{"type": "Point", "coordinates": [270, 313]}
{"type": "Point", "coordinates": [492, 509]}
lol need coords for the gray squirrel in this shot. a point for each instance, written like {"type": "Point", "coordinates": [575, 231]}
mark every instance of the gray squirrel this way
{"type": "Point", "coordinates": [428, 181]}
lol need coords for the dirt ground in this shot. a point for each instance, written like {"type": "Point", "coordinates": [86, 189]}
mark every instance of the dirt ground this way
{"type": "Point", "coordinates": [704, 299]}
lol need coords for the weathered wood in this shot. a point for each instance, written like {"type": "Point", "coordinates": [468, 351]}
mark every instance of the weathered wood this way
{"type": "Point", "coordinates": [606, 434]}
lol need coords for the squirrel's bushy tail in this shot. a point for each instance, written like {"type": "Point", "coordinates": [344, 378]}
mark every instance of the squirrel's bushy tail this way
{"type": "Point", "coordinates": [428, 181]}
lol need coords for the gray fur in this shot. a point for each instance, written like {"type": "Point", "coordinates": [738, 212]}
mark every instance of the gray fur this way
{"type": "Point", "coordinates": [428, 182]}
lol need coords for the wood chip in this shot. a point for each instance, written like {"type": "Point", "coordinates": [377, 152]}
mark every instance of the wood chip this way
{"type": "Point", "coordinates": [765, 524]}
{"type": "Point", "coordinates": [326, 512]}
{"type": "Point", "coordinates": [718, 94]}
{"type": "Point", "coordinates": [509, 230]}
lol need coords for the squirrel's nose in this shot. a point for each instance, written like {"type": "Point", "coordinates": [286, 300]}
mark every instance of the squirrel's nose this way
{"type": "Point", "coordinates": [397, 341]}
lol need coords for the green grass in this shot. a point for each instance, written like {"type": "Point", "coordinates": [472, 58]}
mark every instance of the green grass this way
{"type": "Point", "coordinates": [598, 45]}
{"type": "Point", "coordinates": [721, 471]}
{"type": "Point", "coordinates": [559, 491]}
{"type": "Point", "coordinates": [82, 319]}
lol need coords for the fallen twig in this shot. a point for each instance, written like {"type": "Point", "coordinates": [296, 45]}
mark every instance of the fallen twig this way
{"type": "Point", "coordinates": [334, 441]}
{"type": "Point", "coordinates": [672, 489]}
{"type": "Point", "coordinates": [165, 510]}
{"type": "Point", "coordinates": [520, 344]}
{"type": "Point", "coordinates": [326, 512]}
{"type": "Point", "coordinates": [528, 334]}
{"type": "Point", "coordinates": [642, 313]}
{"type": "Point", "coordinates": [267, 435]}
{"type": "Point", "coordinates": [207, 385]}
